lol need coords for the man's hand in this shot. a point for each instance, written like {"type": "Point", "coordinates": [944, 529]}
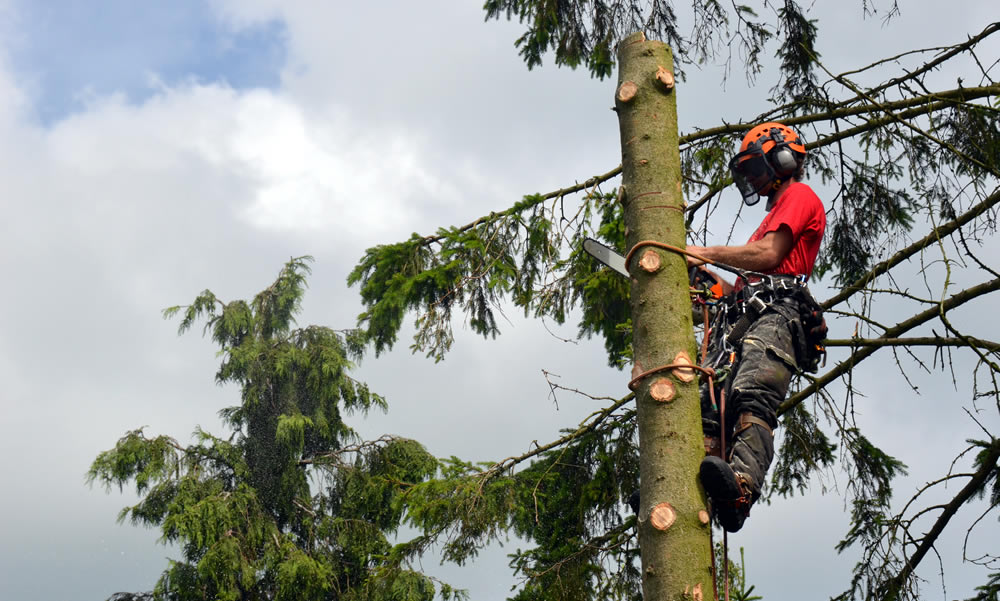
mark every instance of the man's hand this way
{"type": "Point", "coordinates": [716, 284]}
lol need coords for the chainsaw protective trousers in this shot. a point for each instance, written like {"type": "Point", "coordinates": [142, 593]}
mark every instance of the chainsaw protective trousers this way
{"type": "Point", "coordinates": [757, 384]}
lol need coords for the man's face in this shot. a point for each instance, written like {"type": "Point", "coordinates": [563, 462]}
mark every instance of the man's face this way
{"type": "Point", "coordinates": [753, 176]}
{"type": "Point", "coordinates": [755, 169]}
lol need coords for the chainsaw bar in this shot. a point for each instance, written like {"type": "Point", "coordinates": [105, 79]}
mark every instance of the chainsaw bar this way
{"type": "Point", "coordinates": [605, 255]}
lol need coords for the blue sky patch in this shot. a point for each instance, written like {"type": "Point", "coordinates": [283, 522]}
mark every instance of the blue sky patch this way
{"type": "Point", "coordinates": [68, 50]}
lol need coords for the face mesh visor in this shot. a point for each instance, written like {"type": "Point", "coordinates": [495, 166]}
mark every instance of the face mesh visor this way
{"type": "Point", "coordinates": [751, 174]}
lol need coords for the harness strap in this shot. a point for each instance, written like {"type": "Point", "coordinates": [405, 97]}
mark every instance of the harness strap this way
{"type": "Point", "coordinates": [745, 420]}
{"type": "Point", "coordinates": [754, 307]}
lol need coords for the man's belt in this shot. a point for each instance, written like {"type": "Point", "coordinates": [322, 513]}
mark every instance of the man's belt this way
{"type": "Point", "coordinates": [759, 295]}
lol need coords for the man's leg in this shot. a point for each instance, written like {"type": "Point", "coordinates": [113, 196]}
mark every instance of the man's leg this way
{"type": "Point", "coordinates": [759, 385]}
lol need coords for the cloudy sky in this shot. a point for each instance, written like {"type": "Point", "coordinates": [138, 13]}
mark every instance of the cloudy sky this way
{"type": "Point", "coordinates": [152, 150]}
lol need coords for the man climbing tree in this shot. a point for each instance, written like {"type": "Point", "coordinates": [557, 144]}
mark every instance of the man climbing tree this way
{"type": "Point", "coordinates": [778, 312]}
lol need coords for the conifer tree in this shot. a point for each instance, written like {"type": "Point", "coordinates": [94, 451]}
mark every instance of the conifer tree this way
{"type": "Point", "coordinates": [916, 173]}
{"type": "Point", "coordinates": [291, 505]}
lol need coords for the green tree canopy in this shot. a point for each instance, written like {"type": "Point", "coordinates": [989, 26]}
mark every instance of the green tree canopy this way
{"type": "Point", "coordinates": [292, 504]}
{"type": "Point", "coordinates": [586, 32]}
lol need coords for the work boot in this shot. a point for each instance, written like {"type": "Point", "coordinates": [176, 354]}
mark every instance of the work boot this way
{"type": "Point", "coordinates": [753, 449]}
{"type": "Point", "coordinates": [735, 486]}
{"type": "Point", "coordinates": [728, 490]}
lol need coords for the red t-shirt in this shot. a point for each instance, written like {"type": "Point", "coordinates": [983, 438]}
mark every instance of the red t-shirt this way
{"type": "Point", "coordinates": [802, 211]}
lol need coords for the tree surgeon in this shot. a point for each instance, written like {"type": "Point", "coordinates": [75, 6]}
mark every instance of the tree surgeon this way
{"type": "Point", "coordinates": [786, 323]}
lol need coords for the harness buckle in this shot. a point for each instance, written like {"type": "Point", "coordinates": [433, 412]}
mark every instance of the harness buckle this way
{"type": "Point", "coordinates": [756, 304]}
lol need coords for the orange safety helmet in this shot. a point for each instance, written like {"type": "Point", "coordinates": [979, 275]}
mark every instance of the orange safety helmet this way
{"type": "Point", "coordinates": [770, 154]}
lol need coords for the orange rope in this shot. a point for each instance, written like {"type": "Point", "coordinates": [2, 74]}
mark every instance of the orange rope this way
{"type": "Point", "coordinates": [711, 394]}
{"type": "Point", "coordinates": [635, 381]}
{"type": "Point", "coordinates": [664, 246]}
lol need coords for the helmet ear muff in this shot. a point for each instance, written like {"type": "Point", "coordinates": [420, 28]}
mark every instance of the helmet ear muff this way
{"type": "Point", "coordinates": [783, 160]}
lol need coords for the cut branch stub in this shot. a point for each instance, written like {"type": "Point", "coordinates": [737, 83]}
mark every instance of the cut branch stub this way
{"type": "Point", "coordinates": [650, 261]}
{"type": "Point", "coordinates": [662, 390]}
{"type": "Point", "coordinates": [665, 77]}
{"type": "Point", "coordinates": [662, 516]}
{"type": "Point", "coordinates": [627, 91]}
{"type": "Point", "coordinates": [684, 374]}
{"type": "Point", "coordinates": [703, 517]}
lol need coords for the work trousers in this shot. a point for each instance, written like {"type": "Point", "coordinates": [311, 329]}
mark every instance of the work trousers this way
{"type": "Point", "coordinates": [756, 384]}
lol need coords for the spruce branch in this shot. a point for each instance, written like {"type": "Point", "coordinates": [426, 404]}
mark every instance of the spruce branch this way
{"type": "Point", "coordinates": [936, 341]}
{"type": "Point", "coordinates": [605, 543]}
{"type": "Point", "coordinates": [529, 202]}
{"type": "Point", "coordinates": [988, 465]}
{"type": "Point", "coordinates": [918, 105]}
{"type": "Point", "coordinates": [891, 115]}
{"type": "Point", "coordinates": [894, 332]}
{"type": "Point", "coordinates": [587, 425]}
{"type": "Point", "coordinates": [929, 66]}
{"type": "Point", "coordinates": [901, 255]}
{"type": "Point", "coordinates": [336, 456]}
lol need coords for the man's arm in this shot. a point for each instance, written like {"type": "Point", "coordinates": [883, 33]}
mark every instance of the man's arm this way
{"type": "Point", "coordinates": [763, 255]}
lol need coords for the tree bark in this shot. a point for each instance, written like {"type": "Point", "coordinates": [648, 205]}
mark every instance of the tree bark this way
{"type": "Point", "coordinates": [674, 537]}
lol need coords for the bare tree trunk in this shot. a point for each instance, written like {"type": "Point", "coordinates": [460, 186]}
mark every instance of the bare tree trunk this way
{"type": "Point", "coordinates": [674, 532]}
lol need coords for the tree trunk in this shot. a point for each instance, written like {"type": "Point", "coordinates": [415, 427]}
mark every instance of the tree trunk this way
{"type": "Point", "coordinates": [674, 532]}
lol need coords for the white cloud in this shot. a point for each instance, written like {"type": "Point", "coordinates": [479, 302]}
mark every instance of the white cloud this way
{"type": "Point", "coordinates": [331, 174]}
{"type": "Point", "coordinates": [352, 180]}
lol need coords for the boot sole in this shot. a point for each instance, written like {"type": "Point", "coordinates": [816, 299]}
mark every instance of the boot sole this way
{"type": "Point", "coordinates": [723, 489]}
{"type": "Point", "coordinates": [719, 479]}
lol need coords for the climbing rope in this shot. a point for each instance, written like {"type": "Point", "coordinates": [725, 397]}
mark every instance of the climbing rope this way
{"type": "Point", "coordinates": [743, 274]}
{"type": "Point", "coordinates": [634, 382]}
{"type": "Point", "coordinates": [674, 249]}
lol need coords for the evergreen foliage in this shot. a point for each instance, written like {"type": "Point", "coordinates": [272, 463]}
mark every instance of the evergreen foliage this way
{"type": "Point", "coordinates": [567, 502]}
{"type": "Point", "coordinates": [292, 505]}
{"type": "Point", "coordinates": [915, 176]}
{"type": "Point", "coordinates": [989, 591]}
{"type": "Point", "coordinates": [739, 590]}
{"type": "Point", "coordinates": [508, 256]}
{"type": "Point", "coordinates": [806, 450]}
{"type": "Point", "coordinates": [586, 32]}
